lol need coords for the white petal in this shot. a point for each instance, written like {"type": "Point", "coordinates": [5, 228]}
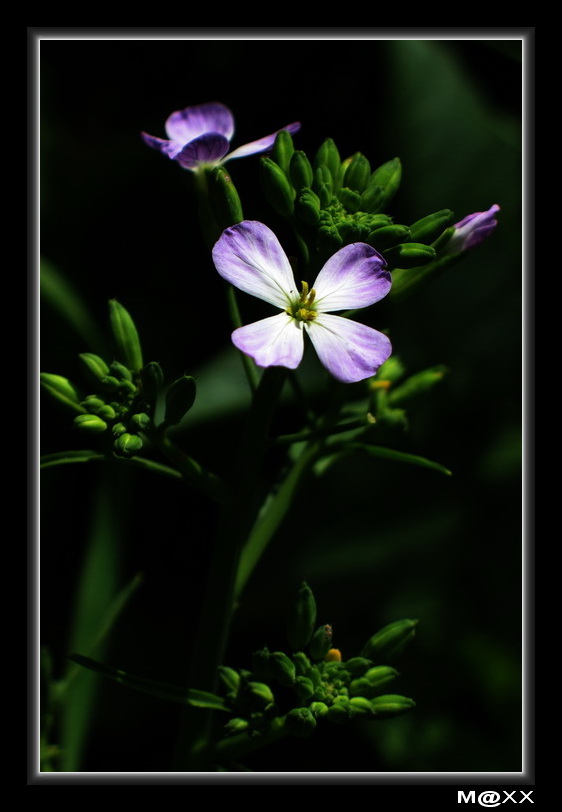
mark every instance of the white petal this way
{"type": "Point", "coordinates": [273, 342]}
{"type": "Point", "coordinates": [250, 257]}
{"type": "Point", "coordinates": [354, 276]}
{"type": "Point", "coordinates": [349, 350]}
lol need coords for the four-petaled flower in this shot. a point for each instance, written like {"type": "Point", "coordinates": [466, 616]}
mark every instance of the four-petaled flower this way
{"type": "Point", "coordinates": [472, 230]}
{"type": "Point", "coordinates": [249, 256]}
{"type": "Point", "coordinates": [201, 135]}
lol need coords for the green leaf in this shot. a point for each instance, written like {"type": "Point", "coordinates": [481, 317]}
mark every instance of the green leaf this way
{"type": "Point", "coordinates": [198, 699]}
{"type": "Point", "coordinates": [380, 452]}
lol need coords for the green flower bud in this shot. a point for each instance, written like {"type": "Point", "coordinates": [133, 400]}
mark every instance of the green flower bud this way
{"type": "Point", "coordinates": [315, 676]}
{"type": "Point", "coordinates": [371, 682]}
{"type": "Point", "coordinates": [225, 200]}
{"type": "Point", "coordinates": [392, 370]}
{"type": "Point", "coordinates": [390, 641]}
{"type": "Point", "coordinates": [318, 709]}
{"type": "Point", "coordinates": [416, 384]}
{"type": "Point", "coordinates": [357, 173]}
{"type": "Point", "coordinates": [93, 404]}
{"type": "Point", "coordinates": [90, 423]}
{"type": "Point", "coordinates": [118, 429]}
{"type": "Point", "coordinates": [261, 692]}
{"type": "Point", "coordinates": [283, 150]}
{"type": "Point", "coordinates": [260, 663]}
{"type": "Point", "coordinates": [140, 421]}
{"type": "Point", "coordinates": [152, 378]}
{"type": "Point", "coordinates": [388, 236]}
{"type": "Point", "coordinates": [357, 666]}
{"type": "Point", "coordinates": [93, 366]}
{"type": "Point", "coordinates": [106, 412]}
{"type": "Point", "coordinates": [353, 232]}
{"type": "Point", "coordinates": [389, 705]}
{"type": "Point", "coordinates": [349, 199]}
{"type": "Point", "coordinates": [320, 693]}
{"type": "Point", "coordinates": [410, 255]}
{"type": "Point", "coordinates": [61, 390]}
{"type": "Point", "coordinates": [229, 677]}
{"type": "Point", "coordinates": [126, 336]}
{"type": "Point", "coordinates": [120, 371]}
{"type": "Point", "coordinates": [443, 239]}
{"type": "Point", "coordinates": [329, 157]}
{"type": "Point", "coordinates": [302, 619]}
{"type": "Point", "coordinates": [276, 187]}
{"type": "Point", "coordinates": [304, 688]}
{"type": "Point", "coordinates": [307, 207]}
{"type": "Point", "coordinates": [282, 669]}
{"type": "Point", "coordinates": [236, 726]}
{"type": "Point", "coordinates": [302, 664]}
{"type": "Point", "coordinates": [300, 722]}
{"type": "Point", "coordinates": [361, 705]}
{"type": "Point", "coordinates": [429, 228]}
{"type": "Point", "coordinates": [127, 445]}
{"type": "Point", "coordinates": [300, 170]}
{"type": "Point", "coordinates": [323, 177]}
{"type": "Point", "coordinates": [321, 642]}
{"type": "Point", "coordinates": [340, 713]}
{"type": "Point", "coordinates": [328, 240]}
{"type": "Point", "coordinates": [179, 400]}
{"type": "Point", "coordinates": [110, 383]}
{"type": "Point", "coordinates": [324, 195]}
{"type": "Point", "coordinates": [383, 185]}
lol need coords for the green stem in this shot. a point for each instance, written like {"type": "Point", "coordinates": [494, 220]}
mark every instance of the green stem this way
{"type": "Point", "coordinates": [305, 436]}
{"type": "Point", "coordinates": [249, 366]}
{"type": "Point", "coordinates": [241, 745]}
{"type": "Point", "coordinates": [191, 471]}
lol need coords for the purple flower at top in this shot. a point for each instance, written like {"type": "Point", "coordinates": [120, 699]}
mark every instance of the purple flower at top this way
{"type": "Point", "coordinates": [201, 135]}
{"type": "Point", "coordinates": [250, 257]}
{"type": "Point", "coordinates": [472, 230]}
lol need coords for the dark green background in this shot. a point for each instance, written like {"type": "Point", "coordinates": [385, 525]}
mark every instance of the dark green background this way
{"type": "Point", "coordinates": [376, 541]}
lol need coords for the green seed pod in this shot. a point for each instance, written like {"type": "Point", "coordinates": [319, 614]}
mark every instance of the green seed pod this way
{"type": "Point", "coordinates": [304, 688]}
{"type": "Point", "coordinates": [307, 207]}
{"type": "Point", "coordinates": [300, 170]}
{"type": "Point", "coordinates": [384, 182]}
{"type": "Point", "coordinates": [61, 390]}
{"type": "Point", "coordinates": [229, 677]}
{"type": "Point", "coordinates": [388, 236]}
{"type": "Point", "coordinates": [329, 157]}
{"type": "Point", "coordinates": [357, 173]}
{"type": "Point", "coordinates": [179, 400]}
{"type": "Point", "coordinates": [140, 421]}
{"type": "Point", "coordinates": [120, 371]}
{"type": "Point", "coordinates": [282, 668]}
{"type": "Point", "coordinates": [90, 423]}
{"type": "Point", "coordinates": [357, 666]}
{"type": "Point", "coordinates": [390, 641]}
{"type": "Point", "coordinates": [302, 664]}
{"type": "Point", "coordinates": [260, 692]}
{"type": "Point", "coordinates": [416, 385]}
{"type": "Point", "coordinates": [118, 429]}
{"type": "Point", "coordinates": [319, 709]}
{"type": "Point", "coordinates": [389, 705]}
{"type": "Point", "coordinates": [127, 445]}
{"type": "Point", "coordinates": [429, 228]}
{"type": "Point", "coordinates": [126, 337]}
{"type": "Point", "coordinates": [224, 198]}
{"type": "Point", "coordinates": [410, 255]}
{"type": "Point", "coordinates": [349, 199]}
{"type": "Point", "coordinates": [321, 642]}
{"type": "Point", "coordinates": [302, 619]}
{"type": "Point", "coordinates": [283, 150]}
{"type": "Point", "coordinates": [300, 722]}
{"type": "Point", "coordinates": [236, 726]}
{"type": "Point", "coordinates": [94, 367]}
{"type": "Point", "coordinates": [276, 188]}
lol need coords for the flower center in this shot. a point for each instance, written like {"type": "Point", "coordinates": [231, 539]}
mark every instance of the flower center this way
{"type": "Point", "coordinates": [302, 309]}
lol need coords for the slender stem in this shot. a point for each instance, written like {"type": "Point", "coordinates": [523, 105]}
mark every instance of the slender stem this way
{"type": "Point", "coordinates": [305, 436]}
{"type": "Point", "coordinates": [190, 469]}
{"type": "Point", "coordinates": [240, 745]}
{"type": "Point", "coordinates": [235, 318]}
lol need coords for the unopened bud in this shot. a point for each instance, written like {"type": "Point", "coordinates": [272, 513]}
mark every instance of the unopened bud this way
{"type": "Point", "coordinates": [357, 173]}
{"type": "Point", "coordinates": [225, 200]}
{"type": "Point", "coordinates": [302, 619]}
{"type": "Point", "coordinates": [127, 445]}
{"type": "Point", "coordinates": [390, 641]}
{"type": "Point", "coordinates": [93, 366]}
{"type": "Point", "coordinates": [126, 336]}
{"type": "Point", "coordinates": [61, 390]}
{"type": "Point", "coordinates": [276, 187]}
{"type": "Point", "coordinates": [321, 642]}
{"type": "Point", "coordinates": [300, 170]}
{"type": "Point", "coordinates": [300, 722]}
{"type": "Point", "coordinates": [410, 255]}
{"type": "Point", "coordinates": [90, 423]}
{"type": "Point", "coordinates": [179, 400]}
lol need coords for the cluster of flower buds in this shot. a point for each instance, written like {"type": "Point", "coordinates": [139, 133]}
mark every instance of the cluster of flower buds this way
{"type": "Point", "coordinates": [315, 683]}
{"type": "Point", "coordinates": [337, 202]}
{"type": "Point", "coordinates": [123, 393]}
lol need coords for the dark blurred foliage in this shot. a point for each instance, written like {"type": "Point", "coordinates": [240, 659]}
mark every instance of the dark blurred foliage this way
{"type": "Point", "coordinates": [376, 541]}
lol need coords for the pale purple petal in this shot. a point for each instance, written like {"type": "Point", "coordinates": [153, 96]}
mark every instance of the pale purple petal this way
{"type": "Point", "coordinates": [169, 148]}
{"type": "Point", "coordinates": [472, 230]}
{"type": "Point", "coordinates": [273, 342]}
{"type": "Point", "coordinates": [207, 149]}
{"type": "Point", "coordinates": [349, 350]}
{"type": "Point", "coordinates": [354, 276]}
{"type": "Point", "coordinates": [262, 144]}
{"type": "Point", "coordinates": [250, 257]}
{"type": "Point", "coordinates": [186, 125]}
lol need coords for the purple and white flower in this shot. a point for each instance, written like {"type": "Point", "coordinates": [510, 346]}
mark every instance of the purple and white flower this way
{"type": "Point", "coordinates": [250, 257]}
{"type": "Point", "coordinates": [472, 230]}
{"type": "Point", "coordinates": [201, 135]}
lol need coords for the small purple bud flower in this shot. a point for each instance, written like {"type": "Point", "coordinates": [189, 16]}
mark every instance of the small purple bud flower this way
{"type": "Point", "coordinates": [200, 136]}
{"type": "Point", "coordinates": [472, 230]}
